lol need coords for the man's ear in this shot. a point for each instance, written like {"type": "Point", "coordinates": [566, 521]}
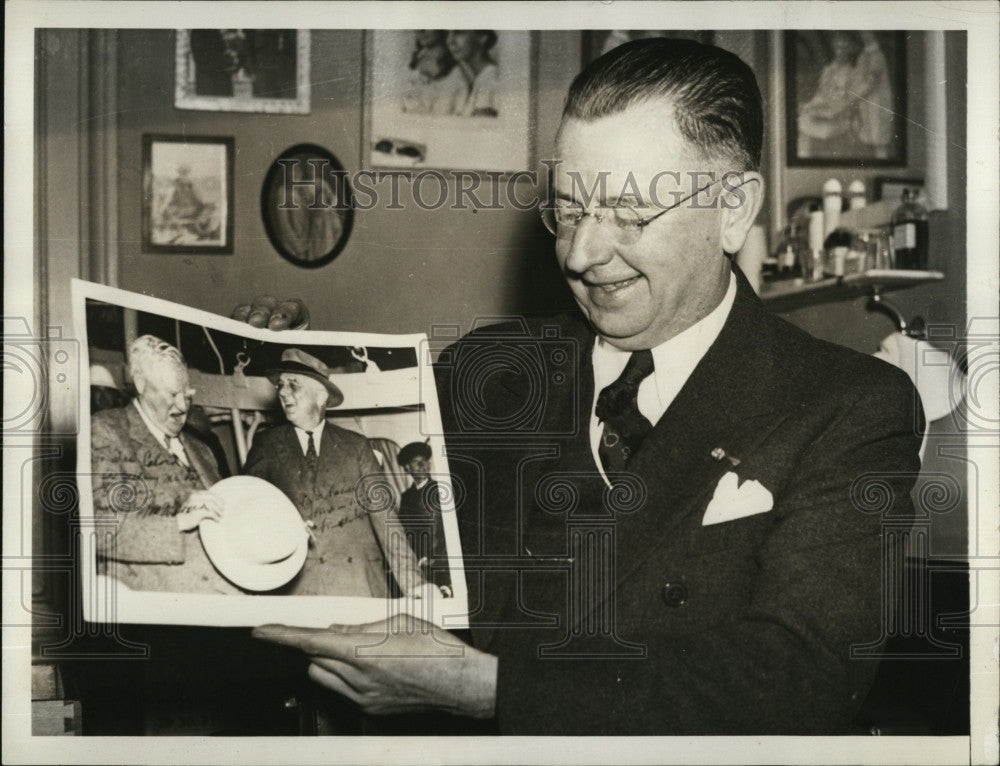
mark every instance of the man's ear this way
{"type": "Point", "coordinates": [139, 381]}
{"type": "Point", "coordinates": [740, 201]}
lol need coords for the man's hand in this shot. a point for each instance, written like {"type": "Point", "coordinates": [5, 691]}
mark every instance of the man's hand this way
{"type": "Point", "coordinates": [199, 506]}
{"type": "Point", "coordinates": [398, 665]}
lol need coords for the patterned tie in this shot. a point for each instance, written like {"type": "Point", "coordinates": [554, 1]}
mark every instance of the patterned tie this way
{"type": "Point", "coordinates": [311, 457]}
{"type": "Point", "coordinates": [624, 426]}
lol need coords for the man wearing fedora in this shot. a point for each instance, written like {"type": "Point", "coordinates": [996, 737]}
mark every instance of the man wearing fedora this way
{"type": "Point", "coordinates": [336, 483]}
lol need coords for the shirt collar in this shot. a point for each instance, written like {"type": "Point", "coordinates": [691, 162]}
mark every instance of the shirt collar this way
{"type": "Point", "coordinates": [317, 433]}
{"type": "Point", "coordinates": [158, 433]}
{"type": "Point", "coordinates": [673, 360]}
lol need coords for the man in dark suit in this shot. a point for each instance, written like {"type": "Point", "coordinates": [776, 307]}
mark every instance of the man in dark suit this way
{"type": "Point", "coordinates": [151, 478]}
{"type": "Point", "coordinates": [420, 511]}
{"type": "Point", "coordinates": [686, 537]}
{"type": "Point", "coordinates": [336, 483]}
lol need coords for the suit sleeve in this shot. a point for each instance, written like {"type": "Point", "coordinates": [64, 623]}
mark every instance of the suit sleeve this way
{"type": "Point", "coordinates": [257, 463]}
{"type": "Point", "coordinates": [131, 504]}
{"type": "Point", "coordinates": [783, 664]}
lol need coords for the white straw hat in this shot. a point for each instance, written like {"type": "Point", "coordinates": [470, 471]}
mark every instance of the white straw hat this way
{"type": "Point", "coordinates": [261, 542]}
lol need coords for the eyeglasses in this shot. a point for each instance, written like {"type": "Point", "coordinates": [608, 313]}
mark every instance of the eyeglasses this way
{"type": "Point", "coordinates": [562, 216]}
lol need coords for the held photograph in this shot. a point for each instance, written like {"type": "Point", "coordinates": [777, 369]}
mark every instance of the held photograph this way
{"type": "Point", "coordinates": [223, 463]}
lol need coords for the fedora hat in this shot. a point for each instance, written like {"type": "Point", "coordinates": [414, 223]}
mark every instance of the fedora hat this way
{"type": "Point", "coordinates": [299, 362]}
{"type": "Point", "coordinates": [260, 542]}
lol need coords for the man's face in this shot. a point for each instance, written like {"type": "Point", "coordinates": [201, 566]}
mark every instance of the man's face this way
{"type": "Point", "coordinates": [165, 395]}
{"type": "Point", "coordinates": [419, 468]}
{"type": "Point", "coordinates": [303, 399]}
{"type": "Point", "coordinates": [638, 295]}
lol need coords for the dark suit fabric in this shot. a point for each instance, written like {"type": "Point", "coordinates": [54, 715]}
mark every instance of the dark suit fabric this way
{"type": "Point", "coordinates": [350, 506]}
{"type": "Point", "coordinates": [420, 512]}
{"type": "Point", "coordinates": [743, 627]}
{"type": "Point", "coordinates": [139, 487]}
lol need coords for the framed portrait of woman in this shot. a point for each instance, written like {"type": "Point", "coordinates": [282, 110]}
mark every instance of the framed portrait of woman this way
{"type": "Point", "coordinates": [845, 97]}
{"type": "Point", "coordinates": [307, 205]}
{"type": "Point", "coordinates": [448, 99]}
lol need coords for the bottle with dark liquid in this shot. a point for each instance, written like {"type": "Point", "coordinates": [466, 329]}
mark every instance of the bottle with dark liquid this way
{"type": "Point", "coordinates": [909, 233]}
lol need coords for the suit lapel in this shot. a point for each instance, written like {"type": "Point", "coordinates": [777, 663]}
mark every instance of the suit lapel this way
{"type": "Point", "coordinates": [723, 404]}
{"type": "Point", "coordinates": [206, 472]}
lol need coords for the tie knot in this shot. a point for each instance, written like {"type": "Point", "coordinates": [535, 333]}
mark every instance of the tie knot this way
{"type": "Point", "coordinates": [639, 366]}
{"type": "Point", "coordinates": [619, 397]}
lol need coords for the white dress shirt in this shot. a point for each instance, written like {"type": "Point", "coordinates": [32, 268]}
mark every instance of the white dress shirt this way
{"type": "Point", "coordinates": [317, 433]}
{"type": "Point", "coordinates": [171, 443]}
{"type": "Point", "coordinates": [673, 362]}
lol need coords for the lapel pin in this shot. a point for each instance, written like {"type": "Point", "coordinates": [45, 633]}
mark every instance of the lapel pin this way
{"type": "Point", "coordinates": [720, 454]}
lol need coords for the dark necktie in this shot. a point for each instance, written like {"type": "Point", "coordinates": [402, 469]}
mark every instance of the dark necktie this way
{"type": "Point", "coordinates": [311, 457]}
{"type": "Point", "coordinates": [624, 426]}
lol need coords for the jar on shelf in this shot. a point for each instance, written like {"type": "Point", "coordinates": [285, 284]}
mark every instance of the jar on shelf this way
{"type": "Point", "coordinates": [909, 233]}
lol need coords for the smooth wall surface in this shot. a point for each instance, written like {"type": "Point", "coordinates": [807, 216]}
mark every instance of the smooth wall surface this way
{"type": "Point", "coordinates": [402, 270]}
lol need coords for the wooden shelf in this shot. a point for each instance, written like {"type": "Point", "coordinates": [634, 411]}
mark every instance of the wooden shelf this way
{"type": "Point", "coordinates": [795, 293]}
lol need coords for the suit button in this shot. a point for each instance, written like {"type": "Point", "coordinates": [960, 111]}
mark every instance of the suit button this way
{"type": "Point", "coordinates": [675, 594]}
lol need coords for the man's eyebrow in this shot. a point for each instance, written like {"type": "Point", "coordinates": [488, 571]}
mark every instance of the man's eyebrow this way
{"type": "Point", "coordinates": [626, 199]}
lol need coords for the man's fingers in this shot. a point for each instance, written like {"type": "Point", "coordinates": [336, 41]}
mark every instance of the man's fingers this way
{"type": "Point", "coordinates": [333, 682]}
{"type": "Point", "coordinates": [352, 676]}
{"type": "Point", "coordinates": [312, 641]}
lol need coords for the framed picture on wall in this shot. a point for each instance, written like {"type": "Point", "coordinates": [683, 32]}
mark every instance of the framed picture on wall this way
{"type": "Point", "coordinates": [448, 99]}
{"type": "Point", "coordinates": [307, 205]}
{"type": "Point", "coordinates": [242, 70]}
{"type": "Point", "coordinates": [597, 42]}
{"type": "Point", "coordinates": [845, 97]}
{"type": "Point", "coordinates": [187, 194]}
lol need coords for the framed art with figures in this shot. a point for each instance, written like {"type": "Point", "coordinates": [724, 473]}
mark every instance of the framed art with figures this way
{"type": "Point", "coordinates": [845, 97]}
{"type": "Point", "coordinates": [448, 99]}
{"type": "Point", "coordinates": [187, 194]}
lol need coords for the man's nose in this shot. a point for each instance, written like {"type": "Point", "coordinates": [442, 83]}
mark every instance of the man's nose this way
{"type": "Point", "coordinates": [592, 244]}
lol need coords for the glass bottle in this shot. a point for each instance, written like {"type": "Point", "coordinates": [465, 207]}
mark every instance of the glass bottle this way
{"type": "Point", "coordinates": [909, 233]}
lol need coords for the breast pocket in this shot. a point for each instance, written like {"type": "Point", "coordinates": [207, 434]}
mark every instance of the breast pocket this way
{"type": "Point", "coordinates": [743, 534]}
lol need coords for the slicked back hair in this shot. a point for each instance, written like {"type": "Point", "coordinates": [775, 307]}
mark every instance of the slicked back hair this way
{"type": "Point", "coordinates": [714, 94]}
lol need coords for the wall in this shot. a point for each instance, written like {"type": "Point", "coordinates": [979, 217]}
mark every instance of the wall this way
{"type": "Point", "coordinates": [402, 270]}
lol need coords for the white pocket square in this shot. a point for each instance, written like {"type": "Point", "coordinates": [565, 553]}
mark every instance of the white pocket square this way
{"type": "Point", "coordinates": [733, 500]}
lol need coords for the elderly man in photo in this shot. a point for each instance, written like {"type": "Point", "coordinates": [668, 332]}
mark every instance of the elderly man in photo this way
{"type": "Point", "coordinates": [151, 479]}
{"type": "Point", "coordinates": [336, 483]}
{"type": "Point", "coordinates": [714, 551]}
